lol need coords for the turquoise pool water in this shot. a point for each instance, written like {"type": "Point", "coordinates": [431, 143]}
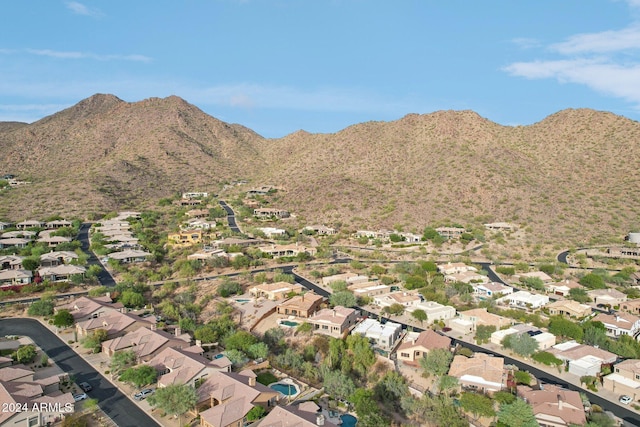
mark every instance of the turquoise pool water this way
{"type": "Point", "coordinates": [242, 301]}
{"type": "Point", "coordinates": [286, 389]}
{"type": "Point", "coordinates": [348, 420]}
{"type": "Point", "coordinates": [289, 323]}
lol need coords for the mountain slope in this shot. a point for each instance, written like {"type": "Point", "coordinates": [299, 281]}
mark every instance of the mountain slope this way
{"type": "Point", "coordinates": [568, 178]}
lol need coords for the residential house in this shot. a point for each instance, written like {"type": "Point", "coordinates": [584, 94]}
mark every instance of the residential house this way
{"type": "Point", "coordinates": [450, 232]}
{"type": "Point", "coordinates": [320, 230]}
{"type": "Point", "coordinates": [130, 256]}
{"type": "Point", "coordinates": [619, 324]}
{"type": "Point", "coordinates": [434, 311]}
{"type": "Point", "coordinates": [185, 238]}
{"type": "Point", "coordinates": [469, 320]}
{"type": "Point", "coordinates": [85, 308]}
{"type": "Point", "coordinates": [229, 397]}
{"type": "Point", "coordinates": [625, 378]}
{"type": "Point", "coordinates": [196, 223]}
{"type": "Point", "coordinates": [405, 299]}
{"type": "Point", "coordinates": [53, 259]}
{"type": "Point", "coordinates": [380, 234]}
{"type": "Point", "coordinates": [45, 394]}
{"type": "Point", "coordinates": [31, 223]}
{"type": "Point", "coordinates": [301, 305]}
{"type": "Point", "coordinates": [10, 262]}
{"type": "Point", "coordinates": [292, 250]}
{"type": "Point", "coordinates": [53, 241]}
{"type": "Point", "coordinates": [334, 321]}
{"type": "Point", "coordinates": [383, 336]}
{"type": "Point", "coordinates": [415, 348]}
{"type": "Point", "coordinates": [275, 291]}
{"type": "Point", "coordinates": [488, 290]}
{"type": "Point", "coordinates": [146, 343]}
{"type": "Point", "coordinates": [534, 275]}
{"type": "Point", "coordinates": [208, 253]}
{"type": "Point", "coordinates": [197, 213]}
{"type": "Point", "coordinates": [545, 340]}
{"type": "Point", "coordinates": [9, 278]}
{"type": "Point", "coordinates": [369, 289]}
{"type": "Point", "coordinates": [195, 195]}
{"type": "Point", "coordinates": [582, 359]}
{"type": "Point", "coordinates": [233, 241]}
{"type": "Point", "coordinates": [189, 202]}
{"type": "Point", "coordinates": [186, 366]}
{"type": "Point", "coordinates": [525, 300]}
{"type": "Point", "coordinates": [562, 288]}
{"type": "Point", "coordinates": [115, 323]}
{"type": "Point", "coordinates": [609, 296]}
{"type": "Point", "coordinates": [554, 406]}
{"type": "Point", "coordinates": [466, 277]}
{"type": "Point", "coordinates": [260, 191]}
{"type": "Point", "coordinates": [292, 416]}
{"type": "Point", "coordinates": [61, 273]}
{"type": "Point", "coordinates": [454, 268]}
{"type": "Point", "coordinates": [4, 225]}
{"type": "Point", "coordinates": [481, 372]}
{"type": "Point", "coordinates": [631, 306]}
{"type": "Point", "coordinates": [272, 232]}
{"type": "Point", "coordinates": [58, 223]}
{"type": "Point", "coordinates": [269, 213]}
{"type": "Point", "coordinates": [500, 226]}
{"type": "Point", "coordinates": [25, 234]}
{"type": "Point", "coordinates": [14, 242]}
{"type": "Point", "coordinates": [569, 308]}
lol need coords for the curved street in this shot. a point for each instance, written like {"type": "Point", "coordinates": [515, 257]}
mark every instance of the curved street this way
{"type": "Point", "coordinates": [114, 403]}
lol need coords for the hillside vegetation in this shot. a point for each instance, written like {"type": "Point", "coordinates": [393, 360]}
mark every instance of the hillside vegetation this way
{"type": "Point", "coordinates": [569, 179]}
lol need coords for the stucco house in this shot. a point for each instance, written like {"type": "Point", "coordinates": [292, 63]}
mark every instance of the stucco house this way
{"type": "Point", "coordinates": [303, 305]}
{"type": "Point", "coordinates": [554, 406]}
{"type": "Point", "coordinates": [609, 296]}
{"type": "Point", "coordinates": [275, 291]}
{"type": "Point", "coordinates": [186, 366]}
{"type": "Point", "coordinates": [334, 321]}
{"type": "Point", "coordinates": [481, 372]}
{"type": "Point", "coordinates": [383, 336]}
{"type": "Point", "coordinates": [619, 324]}
{"type": "Point", "coordinates": [569, 308]}
{"type": "Point", "coordinates": [414, 348]}
{"type": "Point", "coordinates": [525, 300]}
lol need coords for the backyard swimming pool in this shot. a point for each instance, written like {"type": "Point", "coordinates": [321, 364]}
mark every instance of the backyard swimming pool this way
{"type": "Point", "coordinates": [287, 389]}
{"type": "Point", "coordinates": [289, 323]}
{"type": "Point", "coordinates": [348, 420]}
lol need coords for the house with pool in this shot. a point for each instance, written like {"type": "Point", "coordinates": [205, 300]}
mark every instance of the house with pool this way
{"type": "Point", "coordinates": [275, 291]}
{"type": "Point", "coordinates": [225, 398]}
{"type": "Point", "coordinates": [303, 305]}
{"type": "Point", "coordinates": [298, 416]}
{"type": "Point", "coordinates": [383, 336]}
{"type": "Point", "coordinates": [335, 322]}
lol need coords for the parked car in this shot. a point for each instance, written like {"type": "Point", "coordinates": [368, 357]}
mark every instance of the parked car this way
{"type": "Point", "coordinates": [625, 400]}
{"type": "Point", "coordinates": [85, 386]}
{"type": "Point", "coordinates": [80, 396]}
{"type": "Point", "coordinates": [143, 394]}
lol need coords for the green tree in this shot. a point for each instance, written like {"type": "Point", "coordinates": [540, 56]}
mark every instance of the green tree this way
{"type": "Point", "coordinates": [517, 414]}
{"type": "Point", "coordinates": [174, 399]}
{"type": "Point", "coordinates": [30, 264]}
{"type": "Point", "coordinates": [447, 384]}
{"type": "Point", "coordinates": [580, 295]}
{"type": "Point", "coordinates": [26, 354]}
{"type": "Point", "coordinates": [522, 377]}
{"type": "Point", "coordinates": [504, 397]}
{"type": "Point", "coordinates": [483, 333]}
{"type": "Point", "coordinates": [140, 376]}
{"type": "Point", "coordinates": [437, 361]}
{"type": "Point", "coordinates": [592, 281]}
{"type": "Point", "coordinates": [240, 340]}
{"type": "Point", "coordinates": [419, 314]}
{"type": "Point", "coordinates": [595, 334]}
{"type": "Point", "coordinates": [522, 344]}
{"type": "Point", "coordinates": [43, 307]}
{"type": "Point", "coordinates": [561, 327]}
{"type": "Point", "coordinates": [394, 309]}
{"type": "Point", "coordinates": [533, 283]}
{"type": "Point", "coordinates": [95, 340]}
{"type": "Point", "coordinates": [258, 350]}
{"type": "Point", "coordinates": [337, 383]}
{"type": "Point", "coordinates": [122, 360]}
{"type": "Point", "coordinates": [63, 319]}
{"type": "Point", "coordinates": [477, 404]}
{"type": "Point", "coordinates": [256, 413]}
{"type": "Point", "coordinates": [363, 355]}
{"type": "Point", "coordinates": [344, 299]}
{"type": "Point", "coordinates": [132, 299]}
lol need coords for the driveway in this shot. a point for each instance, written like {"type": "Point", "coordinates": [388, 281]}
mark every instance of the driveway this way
{"type": "Point", "coordinates": [120, 409]}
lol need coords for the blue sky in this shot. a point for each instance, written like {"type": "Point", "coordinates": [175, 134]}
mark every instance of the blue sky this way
{"type": "Point", "coordinates": [277, 66]}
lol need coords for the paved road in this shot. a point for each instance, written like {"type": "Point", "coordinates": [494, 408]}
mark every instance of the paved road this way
{"type": "Point", "coordinates": [231, 217]}
{"type": "Point", "coordinates": [120, 408]}
{"type": "Point", "coordinates": [105, 278]}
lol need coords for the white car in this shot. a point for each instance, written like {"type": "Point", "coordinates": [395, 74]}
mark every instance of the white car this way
{"type": "Point", "coordinates": [625, 400]}
{"type": "Point", "coordinates": [80, 396]}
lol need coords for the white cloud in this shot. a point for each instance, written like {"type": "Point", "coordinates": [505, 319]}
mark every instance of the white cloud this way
{"type": "Point", "coordinates": [81, 9]}
{"type": "Point", "coordinates": [88, 55]}
{"type": "Point", "coordinates": [603, 42]}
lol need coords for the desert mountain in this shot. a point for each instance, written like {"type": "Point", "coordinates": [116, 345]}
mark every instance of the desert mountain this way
{"type": "Point", "coordinates": [570, 178]}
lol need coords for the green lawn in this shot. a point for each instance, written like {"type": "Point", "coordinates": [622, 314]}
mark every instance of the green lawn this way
{"type": "Point", "coordinates": [266, 378]}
